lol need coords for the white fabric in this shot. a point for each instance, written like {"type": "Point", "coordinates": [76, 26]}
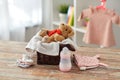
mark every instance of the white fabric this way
{"type": "Point", "coordinates": [25, 61]}
{"type": "Point", "coordinates": [35, 44]}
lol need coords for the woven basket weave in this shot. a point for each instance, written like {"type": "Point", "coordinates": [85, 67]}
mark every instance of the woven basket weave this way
{"type": "Point", "coordinates": [52, 60]}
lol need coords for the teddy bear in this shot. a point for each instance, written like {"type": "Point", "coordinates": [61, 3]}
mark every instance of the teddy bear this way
{"type": "Point", "coordinates": [64, 31]}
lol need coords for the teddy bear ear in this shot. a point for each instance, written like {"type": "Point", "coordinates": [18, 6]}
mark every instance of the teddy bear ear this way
{"type": "Point", "coordinates": [62, 24]}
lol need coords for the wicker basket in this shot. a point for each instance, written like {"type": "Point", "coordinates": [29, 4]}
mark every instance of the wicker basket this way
{"type": "Point", "coordinates": [52, 60]}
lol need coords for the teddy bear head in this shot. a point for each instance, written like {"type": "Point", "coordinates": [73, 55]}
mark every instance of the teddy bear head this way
{"type": "Point", "coordinates": [66, 30]}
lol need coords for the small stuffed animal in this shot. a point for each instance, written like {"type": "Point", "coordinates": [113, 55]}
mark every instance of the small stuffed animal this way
{"type": "Point", "coordinates": [64, 31]}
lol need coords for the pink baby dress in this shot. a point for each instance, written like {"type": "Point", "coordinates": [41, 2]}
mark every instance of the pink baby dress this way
{"type": "Point", "coordinates": [99, 27]}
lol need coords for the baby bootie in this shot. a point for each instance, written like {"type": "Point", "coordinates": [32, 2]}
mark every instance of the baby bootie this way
{"type": "Point", "coordinates": [65, 60]}
{"type": "Point", "coordinates": [25, 61]}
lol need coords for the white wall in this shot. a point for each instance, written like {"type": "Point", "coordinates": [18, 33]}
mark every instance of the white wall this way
{"type": "Point", "coordinates": [56, 4]}
{"type": "Point", "coordinates": [115, 4]}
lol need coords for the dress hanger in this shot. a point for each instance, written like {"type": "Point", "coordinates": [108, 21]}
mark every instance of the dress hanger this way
{"type": "Point", "coordinates": [103, 5]}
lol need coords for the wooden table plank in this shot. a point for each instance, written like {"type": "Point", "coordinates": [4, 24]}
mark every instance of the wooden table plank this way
{"type": "Point", "coordinates": [10, 51]}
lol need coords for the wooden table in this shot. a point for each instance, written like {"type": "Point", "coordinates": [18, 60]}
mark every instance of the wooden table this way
{"type": "Point", "coordinates": [10, 51]}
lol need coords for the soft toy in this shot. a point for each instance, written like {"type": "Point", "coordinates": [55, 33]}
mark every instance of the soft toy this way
{"type": "Point", "coordinates": [64, 31]}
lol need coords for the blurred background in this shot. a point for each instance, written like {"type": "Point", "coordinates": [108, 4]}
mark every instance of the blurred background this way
{"type": "Point", "coordinates": [20, 20]}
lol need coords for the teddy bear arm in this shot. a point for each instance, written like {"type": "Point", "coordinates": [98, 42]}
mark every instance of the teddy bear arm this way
{"type": "Point", "coordinates": [48, 39]}
{"type": "Point", "coordinates": [71, 34]}
{"type": "Point", "coordinates": [58, 37]}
